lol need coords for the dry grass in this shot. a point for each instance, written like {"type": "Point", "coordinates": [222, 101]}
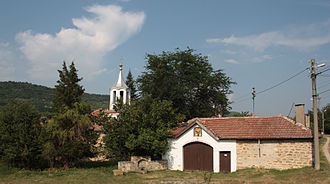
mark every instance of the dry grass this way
{"type": "Point", "coordinates": [103, 174]}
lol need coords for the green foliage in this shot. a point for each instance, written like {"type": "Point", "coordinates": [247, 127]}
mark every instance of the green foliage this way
{"type": "Point", "coordinates": [319, 117]}
{"type": "Point", "coordinates": [67, 91]}
{"type": "Point", "coordinates": [41, 97]}
{"type": "Point", "coordinates": [189, 81]}
{"type": "Point", "coordinates": [69, 136]}
{"type": "Point", "coordinates": [38, 96]}
{"type": "Point", "coordinates": [130, 82]}
{"type": "Point", "coordinates": [20, 135]}
{"type": "Point", "coordinates": [242, 114]}
{"type": "Point", "coordinates": [327, 119]}
{"type": "Point", "coordinates": [326, 111]}
{"type": "Point", "coordinates": [142, 128]}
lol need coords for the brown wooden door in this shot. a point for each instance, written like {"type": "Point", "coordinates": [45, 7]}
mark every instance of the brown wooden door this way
{"type": "Point", "coordinates": [198, 156]}
{"type": "Point", "coordinates": [224, 161]}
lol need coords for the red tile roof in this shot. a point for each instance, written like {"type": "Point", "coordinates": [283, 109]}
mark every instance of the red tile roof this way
{"type": "Point", "coordinates": [98, 111]}
{"type": "Point", "coordinates": [276, 127]}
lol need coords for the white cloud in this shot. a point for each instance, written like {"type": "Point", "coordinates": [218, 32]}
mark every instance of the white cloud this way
{"type": "Point", "coordinates": [7, 67]}
{"type": "Point", "coordinates": [85, 44]}
{"type": "Point", "coordinates": [261, 59]}
{"type": "Point", "coordinates": [231, 52]}
{"type": "Point", "coordinates": [300, 38]}
{"type": "Point", "coordinates": [230, 97]}
{"type": "Point", "coordinates": [98, 72]}
{"type": "Point", "coordinates": [232, 61]}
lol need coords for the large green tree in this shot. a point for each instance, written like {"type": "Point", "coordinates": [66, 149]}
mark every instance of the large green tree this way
{"type": "Point", "coordinates": [141, 129]}
{"type": "Point", "coordinates": [130, 82]}
{"type": "Point", "coordinates": [189, 81]}
{"type": "Point", "coordinates": [69, 136]}
{"type": "Point", "coordinates": [242, 114]}
{"type": "Point", "coordinates": [68, 90]}
{"type": "Point", "coordinates": [326, 111]}
{"type": "Point", "coordinates": [20, 135]}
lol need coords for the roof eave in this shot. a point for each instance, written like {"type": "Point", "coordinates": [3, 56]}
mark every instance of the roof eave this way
{"type": "Point", "coordinates": [199, 124]}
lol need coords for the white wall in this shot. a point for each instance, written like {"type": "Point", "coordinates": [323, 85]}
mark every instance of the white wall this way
{"type": "Point", "coordinates": [174, 155]}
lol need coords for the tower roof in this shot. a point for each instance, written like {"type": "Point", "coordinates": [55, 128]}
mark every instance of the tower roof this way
{"type": "Point", "coordinates": [120, 82]}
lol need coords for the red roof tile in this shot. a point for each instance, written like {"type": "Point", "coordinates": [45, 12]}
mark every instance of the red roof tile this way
{"type": "Point", "coordinates": [106, 111]}
{"type": "Point", "coordinates": [276, 127]}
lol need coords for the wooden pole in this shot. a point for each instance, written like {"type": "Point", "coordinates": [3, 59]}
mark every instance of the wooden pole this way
{"type": "Point", "coordinates": [316, 127]}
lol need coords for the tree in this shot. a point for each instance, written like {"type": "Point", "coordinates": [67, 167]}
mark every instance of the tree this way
{"type": "Point", "coordinates": [20, 135]}
{"type": "Point", "coordinates": [319, 115]}
{"type": "Point", "coordinates": [142, 128]}
{"type": "Point", "coordinates": [326, 111]}
{"type": "Point", "coordinates": [67, 91]}
{"type": "Point", "coordinates": [130, 82]}
{"type": "Point", "coordinates": [242, 114]}
{"type": "Point", "coordinates": [189, 81]}
{"type": "Point", "coordinates": [69, 136]}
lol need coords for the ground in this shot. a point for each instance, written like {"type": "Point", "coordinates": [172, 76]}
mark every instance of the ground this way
{"type": "Point", "coordinates": [96, 172]}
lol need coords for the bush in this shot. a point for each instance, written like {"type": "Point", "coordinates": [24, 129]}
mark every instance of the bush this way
{"type": "Point", "coordinates": [20, 135]}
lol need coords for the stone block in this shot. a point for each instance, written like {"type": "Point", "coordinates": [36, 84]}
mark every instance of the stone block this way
{"type": "Point", "coordinates": [117, 172]}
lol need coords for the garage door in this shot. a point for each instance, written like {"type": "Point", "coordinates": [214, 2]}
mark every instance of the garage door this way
{"type": "Point", "coordinates": [198, 156]}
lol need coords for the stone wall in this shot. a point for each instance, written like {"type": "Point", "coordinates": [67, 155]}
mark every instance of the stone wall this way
{"type": "Point", "coordinates": [274, 154]}
{"type": "Point", "coordinates": [143, 164]}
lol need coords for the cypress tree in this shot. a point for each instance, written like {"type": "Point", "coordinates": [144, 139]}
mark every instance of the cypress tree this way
{"type": "Point", "coordinates": [130, 82]}
{"type": "Point", "coordinates": [68, 90]}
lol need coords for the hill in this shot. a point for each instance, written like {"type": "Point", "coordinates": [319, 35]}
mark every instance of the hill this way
{"type": "Point", "coordinates": [41, 97]}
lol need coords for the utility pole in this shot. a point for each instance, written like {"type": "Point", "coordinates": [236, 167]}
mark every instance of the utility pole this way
{"type": "Point", "coordinates": [253, 96]}
{"type": "Point", "coordinates": [316, 127]}
{"type": "Point", "coordinates": [323, 111]}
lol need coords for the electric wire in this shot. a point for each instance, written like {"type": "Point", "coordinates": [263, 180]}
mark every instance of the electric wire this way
{"type": "Point", "coordinates": [324, 85]}
{"type": "Point", "coordinates": [283, 81]}
{"type": "Point", "coordinates": [243, 98]}
{"type": "Point", "coordinates": [324, 91]}
{"type": "Point", "coordinates": [323, 71]}
{"type": "Point", "coordinates": [291, 109]}
{"type": "Point", "coordinates": [324, 75]}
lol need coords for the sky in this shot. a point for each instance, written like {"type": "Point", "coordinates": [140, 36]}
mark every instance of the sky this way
{"type": "Point", "coordinates": [257, 43]}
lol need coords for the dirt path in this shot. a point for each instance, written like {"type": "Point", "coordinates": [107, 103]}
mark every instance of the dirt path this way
{"type": "Point", "coordinates": [326, 149]}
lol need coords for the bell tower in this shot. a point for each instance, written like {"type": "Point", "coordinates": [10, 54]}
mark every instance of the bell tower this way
{"type": "Point", "coordinates": [119, 91]}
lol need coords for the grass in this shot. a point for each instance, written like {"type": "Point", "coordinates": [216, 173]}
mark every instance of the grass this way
{"type": "Point", "coordinates": [101, 172]}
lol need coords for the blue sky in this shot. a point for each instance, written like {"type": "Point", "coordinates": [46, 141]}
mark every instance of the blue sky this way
{"type": "Point", "coordinates": [257, 43]}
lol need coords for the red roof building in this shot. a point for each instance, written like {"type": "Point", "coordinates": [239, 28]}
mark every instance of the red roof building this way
{"type": "Point", "coordinates": [230, 143]}
{"type": "Point", "coordinates": [276, 127]}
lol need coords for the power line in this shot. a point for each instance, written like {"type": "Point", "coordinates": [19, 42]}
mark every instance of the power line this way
{"type": "Point", "coordinates": [283, 81]}
{"type": "Point", "coordinates": [324, 91]}
{"type": "Point", "coordinates": [324, 75]}
{"type": "Point", "coordinates": [323, 71]}
{"type": "Point", "coordinates": [241, 100]}
{"type": "Point", "coordinates": [322, 86]}
{"type": "Point", "coordinates": [244, 97]}
{"type": "Point", "coordinates": [291, 109]}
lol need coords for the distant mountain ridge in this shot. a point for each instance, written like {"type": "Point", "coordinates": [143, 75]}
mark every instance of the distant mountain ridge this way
{"type": "Point", "coordinates": [41, 96]}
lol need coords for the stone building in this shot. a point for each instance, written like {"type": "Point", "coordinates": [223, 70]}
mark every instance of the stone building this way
{"type": "Point", "coordinates": [230, 143]}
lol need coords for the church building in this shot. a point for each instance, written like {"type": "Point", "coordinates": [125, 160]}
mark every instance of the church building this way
{"type": "Point", "coordinates": [119, 91]}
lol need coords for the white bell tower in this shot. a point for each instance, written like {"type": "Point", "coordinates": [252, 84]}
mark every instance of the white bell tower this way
{"type": "Point", "coordinates": [119, 91]}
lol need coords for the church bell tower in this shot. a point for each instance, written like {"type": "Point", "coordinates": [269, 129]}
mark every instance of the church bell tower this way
{"type": "Point", "coordinates": [119, 91]}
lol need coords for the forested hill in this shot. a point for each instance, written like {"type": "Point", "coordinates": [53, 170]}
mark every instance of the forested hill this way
{"type": "Point", "coordinates": [41, 97]}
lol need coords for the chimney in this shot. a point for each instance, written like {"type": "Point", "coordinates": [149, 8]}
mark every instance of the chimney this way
{"type": "Point", "coordinates": [300, 114]}
{"type": "Point", "coordinates": [308, 120]}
